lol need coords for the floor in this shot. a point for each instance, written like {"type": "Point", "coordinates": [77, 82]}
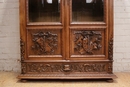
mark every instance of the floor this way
{"type": "Point", "coordinates": [8, 79]}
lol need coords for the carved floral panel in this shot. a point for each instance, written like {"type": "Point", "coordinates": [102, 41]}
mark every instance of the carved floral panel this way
{"type": "Point", "coordinates": [88, 42]}
{"type": "Point", "coordinates": [45, 42]}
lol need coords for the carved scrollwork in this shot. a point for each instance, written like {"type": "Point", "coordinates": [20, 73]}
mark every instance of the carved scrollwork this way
{"type": "Point", "coordinates": [44, 42]}
{"type": "Point", "coordinates": [87, 41]}
{"type": "Point", "coordinates": [22, 48]}
{"type": "Point", "coordinates": [82, 67]}
{"type": "Point", "coordinates": [111, 49]}
{"type": "Point", "coordinates": [94, 67]}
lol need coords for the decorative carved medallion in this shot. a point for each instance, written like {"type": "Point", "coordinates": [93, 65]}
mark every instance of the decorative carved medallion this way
{"type": "Point", "coordinates": [44, 42]}
{"type": "Point", "coordinates": [22, 48]}
{"type": "Point", "coordinates": [87, 41]}
{"type": "Point", "coordinates": [111, 49]}
{"type": "Point", "coordinates": [66, 68]}
{"type": "Point", "coordinates": [80, 67]}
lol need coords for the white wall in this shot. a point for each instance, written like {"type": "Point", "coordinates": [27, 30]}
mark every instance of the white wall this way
{"type": "Point", "coordinates": [122, 35]}
{"type": "Point", "coordinates": [9, 36]}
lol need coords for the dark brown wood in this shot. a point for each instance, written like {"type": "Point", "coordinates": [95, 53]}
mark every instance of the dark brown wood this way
{"type": "Point", "coordinates": [62, 44]}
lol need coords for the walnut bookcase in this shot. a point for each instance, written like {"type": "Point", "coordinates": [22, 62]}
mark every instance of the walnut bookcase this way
{"type": "Point", "coordinates": [66, 39]}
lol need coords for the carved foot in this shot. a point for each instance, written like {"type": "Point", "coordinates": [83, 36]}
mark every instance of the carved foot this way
{"type": "Point", "coordinates": [23, 80]}
{"type": "Point", "coordinates": [110, 80]}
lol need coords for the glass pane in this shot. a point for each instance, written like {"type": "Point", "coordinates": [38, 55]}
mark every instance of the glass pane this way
{"type": "Point", "coordinates": [87, 10]}
{"type": "Point", "coordinates": [44, 10]}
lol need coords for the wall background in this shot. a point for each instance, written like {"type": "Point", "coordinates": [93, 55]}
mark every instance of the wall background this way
{"type": "Point", "coordinates": [10, 45]}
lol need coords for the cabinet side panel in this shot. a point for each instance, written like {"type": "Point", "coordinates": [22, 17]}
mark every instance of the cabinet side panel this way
{"type": "Point", "coordinates": [22, 14]}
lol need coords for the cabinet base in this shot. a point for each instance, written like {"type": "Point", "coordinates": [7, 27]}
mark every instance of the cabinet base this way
{"type": "Point", "coordinates": [67, 76]}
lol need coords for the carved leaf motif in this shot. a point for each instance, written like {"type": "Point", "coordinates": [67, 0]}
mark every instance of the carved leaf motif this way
{"type": "Point", "coordinates": [87, 41]}
{"type": "Point", "coordinates": [44, 42]}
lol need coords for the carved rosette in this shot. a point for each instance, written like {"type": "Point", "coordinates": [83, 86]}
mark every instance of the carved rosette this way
{"type": "Point", "coordinates": [44, 43]}
{"type": "Point", "coordinates": [22, 48]}
{"type": "Point", "coordinates": [80, 67]}
{"type": "Point", "coordinates": [86, 42]}
{"type": "Point", "coordinates": [111, 49]}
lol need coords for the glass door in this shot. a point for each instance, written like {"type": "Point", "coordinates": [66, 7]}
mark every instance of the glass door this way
{"type": "Point", "coordinates": [45, 29]}
{"type": "Point", "coordinates": [44, 11]}
{"type": "Point", "coordinates": [87, 29]}
{"type": "Point", "coordinates": [87, 10]}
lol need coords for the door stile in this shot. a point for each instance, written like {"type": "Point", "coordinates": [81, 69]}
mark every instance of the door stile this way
{"type": "Point", "coordinates": [106, 20]}
{"type": "Point", "coordinates": [63, 29]}
{"type": "Point", "coordinates": [66, 17]}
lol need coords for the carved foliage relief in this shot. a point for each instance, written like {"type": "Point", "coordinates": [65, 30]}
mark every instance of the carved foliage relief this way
{"type": "Point", "coordinates": [22, 49]}
{"type": "Point", "coordinates": [111, 49]}
{"type": "Point", "coordinates": [44, 43]}
{"type": "Point", "coordinates": [87, 42]}
{"type": "Point", "coordinates": [23, 68]}
{"type": "Point", "coordinates": [73, 67]}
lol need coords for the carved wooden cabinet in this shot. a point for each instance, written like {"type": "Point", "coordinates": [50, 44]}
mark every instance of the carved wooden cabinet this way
{"type": "Point", "coordinates": [66, 39]}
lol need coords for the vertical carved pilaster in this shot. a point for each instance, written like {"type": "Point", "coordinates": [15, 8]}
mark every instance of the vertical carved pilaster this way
{"type": "Point", "coordinates": [110, 68]}
{"type": "Point", "coordinates": [22, 45]}
{"type": "Point", "coordinates": [22, 48]}
{"type": "Point", "coordinates": [23, 68]}
{"type": "Point", "coordinates": [110, 55]}
{"type": "Point", "coordinates": [111, 49]}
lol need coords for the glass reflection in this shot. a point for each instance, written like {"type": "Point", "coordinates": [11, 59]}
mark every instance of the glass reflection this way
{"type": "Point", "coordinates": [87, 10]}
{"type": "Point", "coordinates": [44, 10]}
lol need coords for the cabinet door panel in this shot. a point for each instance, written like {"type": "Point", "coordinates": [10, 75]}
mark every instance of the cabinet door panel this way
{"type": "Point", "coordinates": [44, 43]}
{"type": "Point", "coordinates": [87, 43]}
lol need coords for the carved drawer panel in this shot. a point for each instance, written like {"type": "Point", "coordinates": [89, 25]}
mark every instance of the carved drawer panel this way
{"type": "Point", "coordinates": [44, 42]}
{"type": "Point", "coordinates": [87, 43]}
{"type": "Point", "coordinates": [66, 67]}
